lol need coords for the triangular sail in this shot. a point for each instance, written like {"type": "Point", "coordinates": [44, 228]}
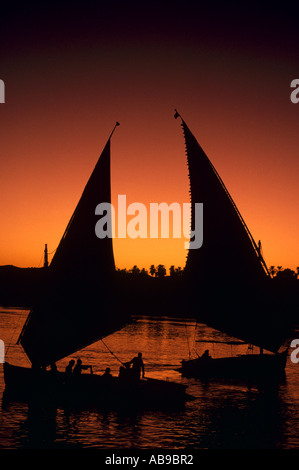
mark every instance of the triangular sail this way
{"type": "Point", "coordinates": [77, 305]}
{"type": "Point", "coordinates": [227, 278]}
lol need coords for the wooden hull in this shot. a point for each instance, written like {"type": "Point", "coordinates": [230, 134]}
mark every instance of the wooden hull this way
{"type": "Point", "coordinates": [249, 366]}
{"type": "Point", "coordinates": [90, 389]}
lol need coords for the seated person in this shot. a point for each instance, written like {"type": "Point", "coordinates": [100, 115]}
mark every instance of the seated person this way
{"type": "Point", "coordinates": [107, 374]}
{"type": "Point", "coordinates": [206, 355]}
{"type": "Point", "coordinates": [79, 367]}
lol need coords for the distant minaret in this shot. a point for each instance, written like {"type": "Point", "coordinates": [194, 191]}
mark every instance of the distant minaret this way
{"type": "Point", "coordinates": [46, 263]}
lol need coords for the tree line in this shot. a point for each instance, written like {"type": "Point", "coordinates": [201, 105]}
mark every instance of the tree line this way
{"type": "Point", "coordinates": [279, 273]}
{"type": "Point", "coordinates": [159, 271]}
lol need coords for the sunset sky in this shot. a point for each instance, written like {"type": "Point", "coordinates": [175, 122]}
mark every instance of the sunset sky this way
{"type": "Point", "coordinates": [72, 71]}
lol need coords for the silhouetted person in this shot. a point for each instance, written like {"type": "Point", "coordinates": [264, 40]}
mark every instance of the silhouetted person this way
{"type": "Point", "coordinates": [79, 367]}
{"type": "Point", "coordinates": [137, 366]}
{"type": "Point", "coordinates": [69, 367]}
{"type": "Point", "coordinates": [107, 374]}
{"type": "Point", "coordinates": [206, 355]}
{"type": "Point", "coordinates": [125, 372]}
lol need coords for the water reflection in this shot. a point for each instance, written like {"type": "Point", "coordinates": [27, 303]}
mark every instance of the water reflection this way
{"type": "Point", "coordinates": [223, 417]}
{"type": "Point", "coordinates": [228, 415]}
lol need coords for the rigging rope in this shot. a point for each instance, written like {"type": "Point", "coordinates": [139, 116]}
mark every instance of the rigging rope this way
{"type": "Point", "coordinates": [187, 340]}
{"type": "Point", "coordinates": [111, 352]}
{"type": "Point", "coordinates": [40, 261]}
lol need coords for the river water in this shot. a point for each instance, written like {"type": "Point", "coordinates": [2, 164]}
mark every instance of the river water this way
{"type": "Point", "coordinates": [224, 415]}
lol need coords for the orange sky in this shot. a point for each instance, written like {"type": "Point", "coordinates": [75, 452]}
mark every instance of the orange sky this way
{"type": "Point", "coordinates": [63, 98]}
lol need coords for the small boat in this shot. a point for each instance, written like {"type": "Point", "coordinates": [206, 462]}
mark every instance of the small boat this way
{"type": "Point", "coordinates": [32, 385]}
{"type": "Point", "coordinates": [80, 304]}
{"type": "Point", "coordinates": [261, 367]}
{"type": "Point", "coordinates": [227, 283]}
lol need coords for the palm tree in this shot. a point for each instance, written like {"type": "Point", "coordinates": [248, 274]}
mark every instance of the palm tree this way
{"type": "Point", "coordinates": [297, 269]}
{"type": "Point", "coordinates": [161, 270]}
{"type": "Point", "coordinates": [152, 270]}
{"type": "Point", "coordinates": [122, 270]}
{"type": "Point", "coordinates": [178, 271]}
{"type": "Point", "coordinates": [135, 270]}
{"type": "Point", "coordinates": [172, 271]}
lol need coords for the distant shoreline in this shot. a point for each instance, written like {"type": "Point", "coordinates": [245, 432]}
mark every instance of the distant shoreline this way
{"type": "Point", "coordinates": [148, 295]}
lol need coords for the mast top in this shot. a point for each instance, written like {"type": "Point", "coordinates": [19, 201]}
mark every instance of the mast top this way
{"type": "Point", "coordinates": [177, 114]}
{"type": "Point", "coordinates": [116, 125]}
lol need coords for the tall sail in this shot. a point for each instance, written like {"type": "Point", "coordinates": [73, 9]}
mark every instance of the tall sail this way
{"type": "Point", "coordinates": [77, 305]}
{"type": "Point", "coordinates": [228, 283]}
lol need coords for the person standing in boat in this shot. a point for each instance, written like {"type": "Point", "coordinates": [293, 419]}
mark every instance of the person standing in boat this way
{"type": "Point", "coordinates": [137, 366]}
{"type": "Point", "coordinates": [79, 367]}
{"type": "Point", "coordinates": [69, 367]}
